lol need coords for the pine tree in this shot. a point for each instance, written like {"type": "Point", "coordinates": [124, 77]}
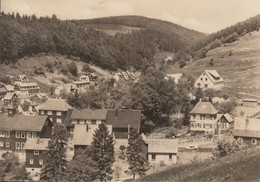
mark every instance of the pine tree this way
{"type": "Point", "coordinates": [102, 152]}
{"type": "Point", "coordinates": [56, 164]}
{"type": "Point", "coordinates": [136, 157]}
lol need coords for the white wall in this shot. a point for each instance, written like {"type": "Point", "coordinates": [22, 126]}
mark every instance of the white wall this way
{"type": "Point", "coordinates": [162, 157]}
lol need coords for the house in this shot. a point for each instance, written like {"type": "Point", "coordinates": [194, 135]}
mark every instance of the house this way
{"type": "Point", "coordinates": [22, 78]}
{"type": "Point", "coordinates": [81, 84]}
{"type": "Point", "coordinates": [16, 129]}
{"type": "Point", "coordinates": [122, 120]}
{"type": "Point", "coordinates": [35, 155]}
{"type": "Point", "coordinates": [9, 98]}
{"type": "Point", "coordinates": [223, 123]}
{"type": "Point", "coordinates": [249, 102]}
{"type": "Point", "coordinates": [247, 129]}
{"type": "Point", "coordinates": [84, 116]}
{"type": "Point", "coordinates": [93, 77]}
{"type": "Point", "coordinates": [56, 109]}
{"type": "Point", "coordinates": [83, 135]}
{"type": "Point", "coordinates": [176, 77]}
{"type": "Point", "coordinates": [84, 78]}
{"type": "Point", "coordinates": [203, 118]}
{"type": "Point", "coordinates": [161, 151]}
{"type": "Point", "coordinates": [3, 92]}
{"type": "Point", "coordinates": [28, 87]}
{"type": "Point", "coordinates": [209, 79]}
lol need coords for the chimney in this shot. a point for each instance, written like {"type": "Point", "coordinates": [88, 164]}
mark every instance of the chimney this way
{"type": "Point", "coordinates": [116, 112]}
{"type": "Point", "coordinates": [247, 123]}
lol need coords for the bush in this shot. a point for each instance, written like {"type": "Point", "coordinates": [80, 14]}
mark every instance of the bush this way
{"type": "Point", "coordinates": [226, 148]}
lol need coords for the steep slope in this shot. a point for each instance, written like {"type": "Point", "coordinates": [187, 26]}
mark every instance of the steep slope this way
{"type": "Point", "coordinates": [238, 63]}
{"type": "Point", "coordinates": [241, 166]}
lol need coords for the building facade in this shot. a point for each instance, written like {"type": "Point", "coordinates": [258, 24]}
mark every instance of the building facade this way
{"type": "Point", "coordinates": [56, 109]}
{"type": "Point", "coordinates": [209, 79]}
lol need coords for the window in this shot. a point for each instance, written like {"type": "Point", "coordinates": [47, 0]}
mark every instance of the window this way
{"type": "Point", "coordinates": [1, 143]}
{"type": "Point", "coordinates": [36, 152]}
{"type": "Point", "coordinates": [223, 125]}
{"type": "Point", "coordinates": [170, 156]}
{"type": "Point", "coordinates": [17, 145]}
{"type": "Point", "coordinates": [58, 120]}
{"type": "Point", "coordinates": [33, 134]}
{"type": "Point", "coordinates": [28, 134]}
{"type": "Point", "coordinates": [22, 145]}
{"type": "Point", "coordinates": [194, 116]}
{"type": "Point", "coordinates": [2, 133]}
{"type": "Point", "coordinates": [58, 113]}
{"type": "Point", "coordinates": [206, 79]}
{"type": "Point", "coordinates": [201, 79]}
{"type": "Point", "coordinates": [7, 134]}
{"type": "Point", "coordinates": [198, 84]}
{"type": "Point", "coordinates": [206, 85]}
{"type": "Point", "coordinates": [49, 112]}
{"type": "Point", "coordinates": [197, 125]}
{"type": "Point", "coordinates": [41, 162]}
{"type": "Point", "coordinates": [22, 134]}
{"type": "Point", "coordinates": [254, 141]}
{"type": "Point", "coordinates": [192, 125]}
{"type": "Point", "coordinates": [31, 161]}
{"type": "Point", "coordinates": [7, 144]}
{"type": "Point", "coordinates": [71, 130]}
{"type": "Point", "coordinates": [93, 122]}
{"type": "Point", "coordinates": [17, 134]}
{"type": "Point", "coordinates": [82, 122]}
{"type": "Point", "coordinates": [208, 126]}
{"type": "Point", "coordinates": [153, 157]}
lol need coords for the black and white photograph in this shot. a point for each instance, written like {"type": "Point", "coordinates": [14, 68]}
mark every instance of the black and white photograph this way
{"type": "Point", "coordinates": [130, 90]}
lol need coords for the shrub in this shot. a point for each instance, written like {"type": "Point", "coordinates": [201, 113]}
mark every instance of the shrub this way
{"type": "Point", "coordinates": [226, 147]}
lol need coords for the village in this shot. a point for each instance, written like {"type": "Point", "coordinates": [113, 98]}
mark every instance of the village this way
{"type": "Point", "coordinates": [28, 117]}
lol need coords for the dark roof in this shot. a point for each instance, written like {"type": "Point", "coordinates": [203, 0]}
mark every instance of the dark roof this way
{"type": "Point", "coordinates": [55, 105]}
{"type": "Point", "coordinates": [247, 133]}
{"type": "Point", "coordinates": [22, 122]}
{"type": "Point", "coordinates": [122, 118]}
{"type": "Point", "coordinates": [204, 108]}
{"type": "Point", "coordinates": [85, 114]}
{"type": "Point", "coordinates": [68, 116]}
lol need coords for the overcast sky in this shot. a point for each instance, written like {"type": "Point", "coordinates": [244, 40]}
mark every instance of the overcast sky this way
{"type": "Point", "coordinates": [203, 15]}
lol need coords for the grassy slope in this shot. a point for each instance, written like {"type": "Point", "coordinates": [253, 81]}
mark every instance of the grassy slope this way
{"type": "Point", "coordinates": [241, 166]}
{"type": "Point", "coordinates": [27, 65]}
{"type": "Point", "coordinates": [241, 70]}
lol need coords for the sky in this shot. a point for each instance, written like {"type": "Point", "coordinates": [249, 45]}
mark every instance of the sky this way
{"type": "Point", "coordinates": [206, 16]}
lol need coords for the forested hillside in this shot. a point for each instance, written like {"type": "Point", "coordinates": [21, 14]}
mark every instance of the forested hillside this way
{"type": "Point", "coordinates": [28, 35]}
{"type": "Point", "coordinates": [230, 34]}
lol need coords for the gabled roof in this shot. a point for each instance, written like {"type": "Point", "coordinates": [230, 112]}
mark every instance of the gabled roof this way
{"type": "Point", "coordinates": [121, 118]}
{"type": "Point", "coordinates": [176, 77]}
{"type": "Point", "coordinates": [213, 75]}
{"type": "Point", "coordinates": [83, 134]}
{"type": "Point", "coordinates": [3, 89]}
{"type": "Point", "coordinates": [37, 144]}
{"type": "Point", "coordinates": [21, 77]}
{"type": "Point", "coordinates": [246, 133]}
{"type": "Point", "coordinates": [9, 96]}
{"type": "Point", "coordinates": [55, 105]}
{"type": "Point", "coordinates": [9, 88]}
{"type": "Point", "coordinates": [89, 114]}
{"type": "Point", "coordinates": [204, 108]}
{"type": "Point", "coordinates": [22, 122]}
{"type": "Point", "coordinates": [227, 116]}
{"type": "Point", "coordinates": [162, 146]}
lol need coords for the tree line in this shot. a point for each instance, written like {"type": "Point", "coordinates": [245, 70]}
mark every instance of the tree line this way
{"type": "Point", "coordinates": [29, 35]}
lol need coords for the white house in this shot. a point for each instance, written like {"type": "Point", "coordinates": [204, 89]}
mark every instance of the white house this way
{"type": "Point", "coordinates": [161, 151]}
{"type": "Point", "coordinates": [209, 79]}
{"type": "Point", "coordinates": [203, 118]}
